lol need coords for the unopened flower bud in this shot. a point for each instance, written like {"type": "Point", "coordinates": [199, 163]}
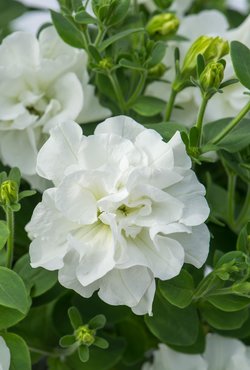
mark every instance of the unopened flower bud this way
{"type": "Point", "coordinates": [242, 288]}
{"type": "Point", "coordinates": [157, 71]}
{"type": "Point", "coordinates": [105, 63]}
{"type": "Point", "coordinates": [162, 26]}
{"type": "Point", "coordinates": [212, 76]}
{"type": "Point", "coordinates": [212, 49]}
{"type": "Point", "coordinates": [85, 336]}
{"type": "Point", "coordinates": [8, 192]}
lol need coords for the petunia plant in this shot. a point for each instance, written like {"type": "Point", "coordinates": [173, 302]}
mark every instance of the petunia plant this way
{"type": "Point", "coordinates": [125, 185]}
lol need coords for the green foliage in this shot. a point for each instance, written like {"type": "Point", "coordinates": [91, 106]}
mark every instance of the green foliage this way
{"type": "Point", "coordinates": [19, 352]}
{"type": "Point", "coordinates": [240, 55]}
{"type": "Point", "coordinates": [179, 290]}
{"type": "Point", "coordinates": [37, 280]}
{"type": "Point", "coordinates": [169, 323]}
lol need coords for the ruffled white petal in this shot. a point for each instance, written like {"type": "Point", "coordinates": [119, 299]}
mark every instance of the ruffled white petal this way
{"type": "Point", "coordinates": [4, 355]}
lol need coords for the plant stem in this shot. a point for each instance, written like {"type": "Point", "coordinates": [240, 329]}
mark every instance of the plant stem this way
{"type": "Point", "coordinates": [231, 195]}
{"type": "Point", "coordinates": [100, 36]}
{"type": "Point", "coordinates": [10, 241]}
{"type": "Point", "coordinates": [118, 92]}
{"type": "Point", "coordinates": [200, 118]}
{"type": "Point", "coordinates": [138, 89]}
{"type": "Point", "coordinates": [170, 104]}
{"type": "Point", "coordinates": [244, 213]}
{"type": "Point", "coordinates": [232, 124]}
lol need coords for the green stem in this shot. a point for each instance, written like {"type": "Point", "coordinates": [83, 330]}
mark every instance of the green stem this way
{"type": "Point", "coordinates": [100, 36]}
{"type": "Point", "coordinates": [244, 213]}
{"type": "Point", "coordinates": [170, 104]}
{"type": "Point", "coordinates": [199, 123]}
{"type": "Point", "coordinates": [232, 124]}
{"type": "Point", "coordinates": [138, 89]}
{"type": "Point", "coordinates": [118, 92]}
{"type": "Point", "coordinates": [10, 241]}
{"type": "Point", "coordinates": [231, 198]}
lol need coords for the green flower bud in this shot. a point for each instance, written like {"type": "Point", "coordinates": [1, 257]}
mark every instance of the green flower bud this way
{"type": "Point", "coordinates": [8, 192]}
{"type": "Point", "coordinates": [157, 71]}
{"type": "Point", "coordinates": [162, 26]}
{"type": "Point", "coordinates": [241, 288]}
{"type": "Point", "coordinates": [110, 12]}
{"type": "Point", "coordinates": [163, 4]}
{"type": "Point", "coordinates": [212, 76]}
{"type": "Point", "coordinates": [212, 49]}
{"type": "Point", "coordinates": [85, 336]}
{"type": "Point", "coordinates": [105, 63]}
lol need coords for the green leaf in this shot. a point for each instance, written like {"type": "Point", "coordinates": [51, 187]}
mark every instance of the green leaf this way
{"type": "Point", "coordinates": [130, 65]}
{"type": "Point", "coordinates": [118, 36]}
{"type": "Point", "coordinates": [134, 331]}
{"type": "Point", "coordinates": [101, 343]}
{"type": "Point", "coordinates": [83, 17]}
{"type": "Point", "coordinates": [25, 194]}
{"type": "Point", "coordinates": [173, 325]}
{"type": "Point", "coordinates": [9, 317]}
{"type": "Point", "coordinates": [19, 353]}
{"type": "Point", "coordinates": [179, 290]}
{"type": "Point", "coordinates": [240, 55]}
{"type": "Point", "coordinates": [98, 322]}
{"type": "Point", "coordinates": [148, 106]}
{"type": "Point", "coordinates": [243, 241]}
{"type": "Point", "coordinates": [236, 140]}
{"type": "Point", "coordinates": [166, 129]}
{"type": "Point", "coordinates": [67, 30]}
{"type": "Point", "coordinates": [67, 341]}
{"type": "Point", "coordinates": [10, 10]}
{"type": "Point", "coordinates": [56, 364]}
{"type": "Point", "coordinates": [83, 352]}
{"type": "Point", "coordinates": [15, 175]}
{"type": "Point", "coordinates": [229, 302]}
{"type": "Point", "coordinates": [223, 320]}
{"type": "Point", "coordinates": [4, 234]}
{"type": "Point", "coordinates": [75, 317]}
{"type": "Point", "coordinates": [157, 54]}
{"type": "Point", "coordinates": [99, 358]}
{"type": "Point", "coordinates": [13, 293]}
{"type": "Point", "coordinates": [37, 280]}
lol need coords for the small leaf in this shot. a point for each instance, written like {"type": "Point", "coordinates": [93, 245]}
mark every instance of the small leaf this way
{"type": "Point", "coordinates": [67, 30]}
{"type": "Point", "coordinates": [4, 234]}
{"type": "Point", "coordinates": [157, 54]}
{"type": "Point", "coordinates": [118, 36]}
{"type": "Point", "coordinates": [223, 320]}
{"type": "Point", "coordinates": [67, 341]}
{"type": "Point", "coordinates": [101, 343]}
{"type": "Point", "coordinates": [75, 317]}
{"type": "Point", "coordinates": [83, 17]}
{"type": "Point", "coordinates": [26, 193]}
{"type": "Point", "coordinates": [243, 241]}
{"type": "Point", "coordinates": [98, 322]}
{"type": "Point", "coordinates": [15, 175]}
{"type": "Point", "coordinates": [240, 55]}
{"type": "Point", "coordinates": [148, 106]}
{"type": "Point", "coordinates": [83, 352]}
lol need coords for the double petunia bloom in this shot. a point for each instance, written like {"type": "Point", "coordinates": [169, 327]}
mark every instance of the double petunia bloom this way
{"type": "Point", "coordinates": [220, 354]}
{"type": "Point", "coordinates": [125, 208]}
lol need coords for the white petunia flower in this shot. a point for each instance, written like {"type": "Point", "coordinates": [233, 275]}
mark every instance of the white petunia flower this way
{"type": "Point", "coordinates": [42, 83]}
{"type": "Point", "coordinates": [220, 354]}
{"type": "Point", "coordinates": [4, 355]}
{"type": "Point", "coordinates": [178, 6]}
{"type": "Point", "coordinates": [126, 208]}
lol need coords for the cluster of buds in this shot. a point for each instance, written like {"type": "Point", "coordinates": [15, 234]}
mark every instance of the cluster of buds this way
{"type": "Point", "coordinates": [84, 335]}
{"type": "Point", "coordinates": [212, 49]}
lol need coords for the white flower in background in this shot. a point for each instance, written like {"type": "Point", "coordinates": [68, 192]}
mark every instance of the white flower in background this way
{"type": "Point", "coordinates": [178, 6]}
{"type": "Point", "coordinates": [42, 83]}
{"type": "Point", "coordinates": [126, 208]}
{"type": "Point", "coordinates": [212, 23]}
{"type": "Point", "coordinates": [220, 354]}
{"type": "Point", "coordinates": [4, 355]}
{"type": "Point", "coordinates": [241, 6]}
